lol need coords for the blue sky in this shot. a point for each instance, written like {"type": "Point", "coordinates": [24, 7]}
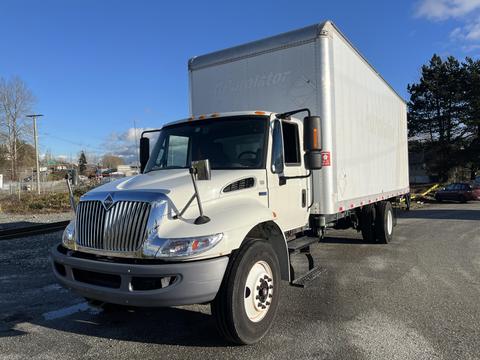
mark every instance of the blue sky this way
{"type": "Point", "coordinates": [98, 66]}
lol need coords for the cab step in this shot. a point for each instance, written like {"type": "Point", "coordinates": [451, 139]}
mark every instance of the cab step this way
{"type": "Point", "coordinates": [311, 275]}
{"type": "Point", "coordinates": [301, 245]}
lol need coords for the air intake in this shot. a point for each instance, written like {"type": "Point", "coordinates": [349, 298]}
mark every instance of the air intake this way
{"type": "Point", "coordinates": [240, 185]}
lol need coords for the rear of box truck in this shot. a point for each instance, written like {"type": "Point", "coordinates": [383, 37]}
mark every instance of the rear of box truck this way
{"type": "Point", "coordinates": [363, 120]}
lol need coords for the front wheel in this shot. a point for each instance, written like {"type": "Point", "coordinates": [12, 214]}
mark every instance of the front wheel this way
{"type": "Point", "coordinates": [246, 304]}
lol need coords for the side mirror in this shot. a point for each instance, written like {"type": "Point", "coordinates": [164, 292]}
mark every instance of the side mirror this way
{"type": "Point", "coordinates": [312, 142]}
{"type": "Point", "coordinates": [144, 152]}
{"type": "Point", "coordinates": [277, 148]}
{"type": "Point", "coordinates": [202, 169]}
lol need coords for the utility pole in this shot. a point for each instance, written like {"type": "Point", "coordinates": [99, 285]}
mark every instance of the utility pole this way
{"type": "Point", "coordinates": [35, 136]}
{"type": "Point", "coordinates": [137, 163]}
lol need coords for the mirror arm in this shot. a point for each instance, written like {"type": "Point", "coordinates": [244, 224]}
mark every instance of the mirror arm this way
{"type": "Point", "coordinates": [180, 214]}
{"type": "Point", "coordinates": [70, 194]}
{"type": "Point", "coordinates": [202, 219]}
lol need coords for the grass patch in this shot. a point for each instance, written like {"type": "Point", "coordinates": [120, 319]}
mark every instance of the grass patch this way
{"type": "Point", "coordinates": [32, 203]}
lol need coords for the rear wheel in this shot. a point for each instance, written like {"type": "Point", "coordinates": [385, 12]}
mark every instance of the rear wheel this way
{"type": "Point", "coordinates": [247, 301]}
{"type": "Point", "coordinates": [367, 223]}
{"type": "Point", "coordinates": [384, 222]}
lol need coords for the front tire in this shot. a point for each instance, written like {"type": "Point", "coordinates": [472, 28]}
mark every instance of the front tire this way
{"type": "Point", "coordinates": [246, 304]}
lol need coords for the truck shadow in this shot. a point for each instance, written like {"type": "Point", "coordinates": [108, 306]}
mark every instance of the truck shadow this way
{"type": "Point", "coordinates": [168, 326]}
{"type": "Point", "coordinates": [342, 240]}
{"type": "Point", "coordinates": [441, 214]}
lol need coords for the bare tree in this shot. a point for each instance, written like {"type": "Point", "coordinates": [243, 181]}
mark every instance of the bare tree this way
{"type": "Point", "coordinates": [111, 161]}
{"type": "Point", "coordinates": [16, 101]}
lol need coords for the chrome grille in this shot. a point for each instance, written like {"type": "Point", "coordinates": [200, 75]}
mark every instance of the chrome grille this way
{"type": "Point", "coordinates": [122, 228]}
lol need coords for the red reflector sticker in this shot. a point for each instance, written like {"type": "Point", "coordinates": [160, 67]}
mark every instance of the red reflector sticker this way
{"type": "Point", "coordinates": [326, 158]}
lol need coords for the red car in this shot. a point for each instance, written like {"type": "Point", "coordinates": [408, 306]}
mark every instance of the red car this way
{"type": "Point", "coordinates": [462, 192]}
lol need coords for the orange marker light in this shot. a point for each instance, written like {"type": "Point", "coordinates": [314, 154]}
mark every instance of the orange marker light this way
{"type": "Point", "coordinates": [195, 245]}
{"type": "Point", "coordinates": [201, 117]}
{"type": "Point", "coordinates": [215, 115]}
{"type": "Point", "coordinates": [315, 139]}
{"type": "Point", "coordinates": [260, 112]}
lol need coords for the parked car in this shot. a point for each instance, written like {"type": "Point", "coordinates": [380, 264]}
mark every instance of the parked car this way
{"type": "Point", "coordinates": [476, 190]}
{"type": "Point", "coordinates": [462, 192]}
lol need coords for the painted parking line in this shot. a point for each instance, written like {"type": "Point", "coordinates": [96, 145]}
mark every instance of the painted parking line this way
{"type": "Point", "coordinates": [70, 310]}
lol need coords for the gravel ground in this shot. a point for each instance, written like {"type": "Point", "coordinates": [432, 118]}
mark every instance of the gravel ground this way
{"type": "Point", "coordinates": [415, 298]}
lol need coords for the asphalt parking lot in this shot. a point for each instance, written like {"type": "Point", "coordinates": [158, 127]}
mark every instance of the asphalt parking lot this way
{"type": "Point", "coordinates": [415, 298]}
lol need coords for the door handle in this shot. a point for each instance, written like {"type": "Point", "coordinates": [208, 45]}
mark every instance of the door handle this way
{"type": "Point", "coordinates": [304, 198]}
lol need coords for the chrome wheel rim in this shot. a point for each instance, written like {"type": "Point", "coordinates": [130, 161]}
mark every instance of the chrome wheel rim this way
{"type": "Point", "coordinates": [389, 222]}
{"type": "Point", "coordinates": [258, 292]}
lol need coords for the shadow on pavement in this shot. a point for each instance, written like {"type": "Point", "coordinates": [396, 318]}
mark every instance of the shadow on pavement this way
{"type": "Point", "coordinates": [16, 225]}
{"type": "Point", "coordinates": [168, 326]}
{"type": "Point", "coordinates": [342, 240]}
{"type": "Point", "coordinates": [441, 214]}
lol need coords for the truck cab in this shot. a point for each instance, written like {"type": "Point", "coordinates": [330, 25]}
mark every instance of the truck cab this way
{"type": "Point", "coordinates": [136, 241]}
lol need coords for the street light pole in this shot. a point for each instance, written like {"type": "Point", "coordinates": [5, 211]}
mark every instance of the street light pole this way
{"type": "Point", "coordinates": [35, 136]}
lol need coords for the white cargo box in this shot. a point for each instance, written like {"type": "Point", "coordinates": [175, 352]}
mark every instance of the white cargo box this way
{"type": "Point", "coordinates": [364, 120]}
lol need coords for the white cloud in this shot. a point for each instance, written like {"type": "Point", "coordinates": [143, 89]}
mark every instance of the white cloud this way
{"type": "Point", "coordinates": [467, 33]}
{"type": "Point", "coordinates": [446, 9]}
{"type": "Point", "coordinates": [471, 48]}
{"type": "Point", "coordinates": [473, 31]}
{"type": "Point", "coordinates": [467, 12]}
{"type": "Point", "coordinates": [125, 144]}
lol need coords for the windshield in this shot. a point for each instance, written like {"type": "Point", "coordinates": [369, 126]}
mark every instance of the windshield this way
{"type": "Point", "coordinates": [228, 143]}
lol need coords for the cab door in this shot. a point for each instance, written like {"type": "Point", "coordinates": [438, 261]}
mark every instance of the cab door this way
{"type": "Point", "coordinates": [287, 178]}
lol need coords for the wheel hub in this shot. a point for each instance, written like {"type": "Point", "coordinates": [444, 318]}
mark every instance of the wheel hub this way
{"type": "Point", "coordinates": [258, 291]}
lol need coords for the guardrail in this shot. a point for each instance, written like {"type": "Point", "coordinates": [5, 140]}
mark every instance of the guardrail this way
{"type": "Point", "coordinates": [32, 230]}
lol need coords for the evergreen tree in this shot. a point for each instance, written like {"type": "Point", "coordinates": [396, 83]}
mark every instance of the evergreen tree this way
{"type": "Point", "coordinates": [472, 90]}
{"type": "Point", "coordinates": [437, 111]}
{"type": "Point", "coordinates": [82, 163]}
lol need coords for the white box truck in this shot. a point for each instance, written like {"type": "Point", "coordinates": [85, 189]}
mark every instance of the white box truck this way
{"type": "Point", "coordinates": [288, 136]}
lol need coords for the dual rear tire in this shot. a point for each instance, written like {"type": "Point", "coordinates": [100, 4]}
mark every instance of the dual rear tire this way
{"type": "Point", "coordinates": [377, 222]}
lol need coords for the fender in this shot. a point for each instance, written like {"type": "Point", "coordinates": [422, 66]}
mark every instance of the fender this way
{"type": "Point", "coordinates": [248, 218]}
{"type": "Point", "coordinates": [237, 218]}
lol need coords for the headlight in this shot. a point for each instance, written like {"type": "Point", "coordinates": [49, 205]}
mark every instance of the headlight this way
{"type": "Point", "coordinates": [68, 238]}
{"type": "Point", "coordinates": [178, 247]}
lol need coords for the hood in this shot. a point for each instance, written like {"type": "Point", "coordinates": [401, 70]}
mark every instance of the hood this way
{"type": "Point", "coordinates": [177, 184]}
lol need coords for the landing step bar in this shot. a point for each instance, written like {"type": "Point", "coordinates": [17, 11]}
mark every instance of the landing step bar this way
{"type": "Point", "coordinates": [304, 280]}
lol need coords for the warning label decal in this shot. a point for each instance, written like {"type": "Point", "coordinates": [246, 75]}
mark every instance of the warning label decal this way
{"type": "Point", "coordinates": [326, 158]}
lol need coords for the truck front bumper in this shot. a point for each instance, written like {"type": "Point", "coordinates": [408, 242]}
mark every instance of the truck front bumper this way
{"type": "Point", "coordinates": [183, 283]}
